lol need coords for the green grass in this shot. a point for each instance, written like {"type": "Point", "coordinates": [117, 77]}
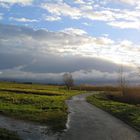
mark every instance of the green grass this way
{"type": "Point", "coordinates": [30, 104]}
{"type": "Point", "coordinates": [8, 135]}
{"type": "Point", "coordinates": [127, 112]}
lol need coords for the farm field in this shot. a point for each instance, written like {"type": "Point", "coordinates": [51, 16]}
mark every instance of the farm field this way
{"type": "Point", "coordinates": [34, 102]}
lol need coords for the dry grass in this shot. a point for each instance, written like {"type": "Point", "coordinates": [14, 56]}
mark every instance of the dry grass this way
{"type": "Point", "coordinates": [131, 95]}
{"type": "Point", "coordinates": [127, 95]}
{"type": "Point", "coordinates": [96, 88]}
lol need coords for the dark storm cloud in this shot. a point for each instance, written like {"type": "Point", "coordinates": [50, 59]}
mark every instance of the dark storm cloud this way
{"type": "Point", "coordinates": [8, 61]}
{"type": "Point", "coordinates": [43, 55]}
{"type": "Point", "coordinates": [58, 64]}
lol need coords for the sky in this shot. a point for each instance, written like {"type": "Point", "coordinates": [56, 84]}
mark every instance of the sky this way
{"type": "Point", "coordinates": [40, 40]}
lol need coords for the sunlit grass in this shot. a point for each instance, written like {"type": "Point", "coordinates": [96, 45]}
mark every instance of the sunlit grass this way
{"type": "Point", "coordinates": [26, 101]}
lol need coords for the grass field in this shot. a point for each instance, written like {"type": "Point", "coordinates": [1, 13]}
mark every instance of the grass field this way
{"type": "Point", "coordinates": [129, 113]}
{"type": "Point", "coordinates": [34, 102]}
{"type": "Point", "coordinates": [8, 135]}
{"type": "Point", "coordinates": [96, 88]}
{"type": "Point", "coordinates": [129, 95]}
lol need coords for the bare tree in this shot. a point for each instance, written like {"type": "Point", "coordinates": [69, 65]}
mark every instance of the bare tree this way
{"type": "Point", "coordinates": [122, 80]}
{"type": "Point", "coordinates": [68, 80]}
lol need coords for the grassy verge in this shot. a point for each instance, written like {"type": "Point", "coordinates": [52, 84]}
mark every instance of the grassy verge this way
{"type": "Point", "coordinates": [8, 135]}
{"type": "Point", "coordinates": [127, 112]}
{"type": "Point", "coordinates": [33, 106]}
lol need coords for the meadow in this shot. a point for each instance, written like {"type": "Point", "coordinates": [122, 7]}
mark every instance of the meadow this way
{"type": "Point", "coordinates": [35, 102]}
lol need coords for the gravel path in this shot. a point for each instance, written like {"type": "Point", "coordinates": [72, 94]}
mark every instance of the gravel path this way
{"type": "Point", "coordinates": [87, 122]}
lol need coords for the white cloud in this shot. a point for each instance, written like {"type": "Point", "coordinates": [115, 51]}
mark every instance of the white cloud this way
{"type": "Point", "coordinates": [84, 11]}
{"type": "Point", "coordinates": [99, 15]}
{"type": "Point", "coordinates": [105, 41]}
{"type": "Point", "coordinates": [126, 19]}
{"type": "Point", "coordinates": [131, 2]}
{"type": "Point", "coordinates": [52, 18]}
{"type": "Point", "coordinates": [24, 2]}
{"type": "Point", "coordinates": [4, 5]}
{"type": "Point", "coordinates": [23, 19]}
{"type": "Point", "coordinates": [79, 1]}
{"type": "Point", "coordinates": [94, 74]}
{"type": "Point", "coordinates": [87, 10]}
{"type": "Point", "coordinates": [85, 76]}
{"type": "Point", "coordinates": [62, 9]}
{"type": "Point", "coordinates": [86, 7]}
{"type": "Point", "coordinates": [121, 18]}
{"type": "Point", "coordinates": [125, 24]}
{"type": "Point", "coordinates": [86, 24]}
{"type": "Point", "coordinates": [74, 31]}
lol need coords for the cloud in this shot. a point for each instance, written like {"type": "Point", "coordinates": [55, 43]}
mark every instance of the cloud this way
{"type": "Point", "coordinates": [92, 10]}
{"type": "Point", "coordinates": [91, 76]}
{"type": "Point", "coordinates": [96, 12]}
{"type": "Point", "coordinates": [74, 31]}
{"type": "Point", "coordinates": [23, 19]}
{"type": "Point", "coordinates": [69, 41]}
{"type": "Point", "coordinates": [51, 68]}
{"type": "Point", "coordinates": [80, 1]}
{"type": "Point", "coordinates": [52, 18]}
{"type": "Point", "coordinates": [104, 15]}
{"type": "Point", "coordinates": [62, 9]}
{"type": "Point", "coordinates": [24, 2]}
{"type": "Point", "coordinates": [126, 19]}
{"type": "Point", "coordinates": [125, 24]}
{"type": "Point", "coordinates": [4, 5]}
{"type": "Point", "coordinates": [40, 54]}
{"type": "Point", "coordinates": [84, 11]}
{"type": "Point", "coordinates": [131, 2]}
{"type": "Point", "coordinates": [86, 24]}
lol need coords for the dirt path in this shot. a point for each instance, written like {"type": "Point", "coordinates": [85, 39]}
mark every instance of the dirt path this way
{"type": "Point", "coordinates": [26, 130]}
{"type": "Point", "coordinates": [87, 122]}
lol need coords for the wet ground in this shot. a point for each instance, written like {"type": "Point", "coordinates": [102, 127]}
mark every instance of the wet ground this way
{"type": "Point", "coordinates": [27, 130]}
{"type": "Point", "coordinates": [87, 122]}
